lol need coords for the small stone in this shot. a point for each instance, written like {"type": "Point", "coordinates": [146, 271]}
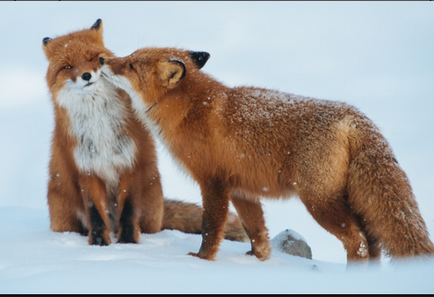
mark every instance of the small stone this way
{"type": "Point", "coordinates": [290, 242]}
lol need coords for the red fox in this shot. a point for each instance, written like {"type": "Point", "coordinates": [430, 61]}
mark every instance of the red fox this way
{"type": "Point", "coordinates": [103, 175]}
{"type": "Point", "coordinates": [244, 143]}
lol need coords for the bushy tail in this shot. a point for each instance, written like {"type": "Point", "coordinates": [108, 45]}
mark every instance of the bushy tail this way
{"type": "Point", "coordinates": [187, 217]}
{"type": "Point", "coordinates": [380, 193]}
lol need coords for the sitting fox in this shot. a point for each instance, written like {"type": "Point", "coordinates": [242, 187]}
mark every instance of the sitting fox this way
{"type": "Point", "coordinates": [244, 143]}
{"type": "Point", "coordinates": [103, 168]}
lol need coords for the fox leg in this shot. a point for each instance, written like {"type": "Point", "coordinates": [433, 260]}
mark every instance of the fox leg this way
{"type": "Point", "coordinates": [252, 218]}
{"type": "Point", "coordinates": [141, 206]}
{"type": "Point", "coordinates": [128, 229]}
{"type": "Point", "coordinates": [333, 214]}
{"type": "Point", "coordinates": [94, 197]}
{"type": "Point", "coordinates": [373, 242]}
{"type": "Point", "coordinates": [64, 205]}
{"type": "Point", "coordinates": [374, 248]}
{"type": "Point", "coordinates": [150, 199]}
{"type": "Point", "coordinates": [215, 198]}
{"type": "Point", "coordinates": [63, 216]}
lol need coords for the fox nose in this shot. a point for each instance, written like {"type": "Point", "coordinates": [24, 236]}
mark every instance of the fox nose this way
{"type": "Point", "coordinates": [101, 60]}
{"type": "Point", "coordinates": [86, 76]}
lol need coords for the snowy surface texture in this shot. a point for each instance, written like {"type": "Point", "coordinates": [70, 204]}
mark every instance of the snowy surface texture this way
{"type": "Point", "coordinates": [376, 56]}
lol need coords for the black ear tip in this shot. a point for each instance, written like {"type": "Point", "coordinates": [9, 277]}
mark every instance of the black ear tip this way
{"type": "Point", "coordinates": [200, 58]}
{"type": "Point", "coordinates": [46, 40]}
{"type": "Point", "coordinates": [206, 55]}
{"type": "Point", "coordinates": [97, 24]}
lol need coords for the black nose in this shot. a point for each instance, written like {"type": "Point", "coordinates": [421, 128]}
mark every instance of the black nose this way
{"type": "Point", "coordinates": [86, 76]}
{"type": "Point", "coordinates": [101, 61]}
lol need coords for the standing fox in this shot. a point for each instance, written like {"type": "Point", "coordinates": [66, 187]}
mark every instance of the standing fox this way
{"type": "Point", "coordinates": [244, 143]}
{"type": "Point", "coordinates": [103, 168]}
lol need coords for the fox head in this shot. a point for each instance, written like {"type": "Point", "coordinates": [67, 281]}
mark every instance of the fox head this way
{"type": "Point", "coordinates": [149, 73]}
{"type": "Point", "coordinates": [74, 59]}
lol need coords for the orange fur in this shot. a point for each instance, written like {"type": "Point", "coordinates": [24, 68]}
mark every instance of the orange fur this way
{"type": "Point", "coordinates": [244, 143]}
{"type": "Point", "coordinates": [103, 168]}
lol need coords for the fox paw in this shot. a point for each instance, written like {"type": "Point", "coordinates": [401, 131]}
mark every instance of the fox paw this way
{"type": "Point", "coordinates": [97, 240]}
{"type": "Point", "coordinates": [264, 255]}
{"type": "Point", "coordinates": [199, 256]}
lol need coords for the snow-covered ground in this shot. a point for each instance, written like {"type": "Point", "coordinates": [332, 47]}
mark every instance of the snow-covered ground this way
{"type": "Point", "coordinates": [374, 55]}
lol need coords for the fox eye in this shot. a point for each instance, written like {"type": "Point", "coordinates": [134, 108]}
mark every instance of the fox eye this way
{"type": "Point", "coordinates": [132, 67]}
{"type": "Point", "coordinates": [67, 67]}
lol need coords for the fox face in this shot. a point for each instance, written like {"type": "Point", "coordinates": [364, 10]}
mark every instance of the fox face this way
{"type": "Point", "coordinates": [80, 76]}
{"type": "Point", "coordinates": [149, 73]}
{"type": "Point", "coordinates": [74, 61]}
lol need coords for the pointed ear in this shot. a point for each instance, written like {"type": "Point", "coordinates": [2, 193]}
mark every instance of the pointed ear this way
{"type": "Point", "coordinates": [46, 40]}
{"type": "Point", "coordinates": [97, 25]}
{"type": "Point", "coordinates": [171, 72]}
{"type": "Point", "coordinates": [199, 58]}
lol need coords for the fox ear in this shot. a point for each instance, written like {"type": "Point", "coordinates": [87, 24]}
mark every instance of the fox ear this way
{"type": "Point", "coordinates": [46, 40]}
{"type": "Point", "coordinates": [97, 25]}
{"type": "Point", "coordinates": [171, 72]}
{"type": "Point", "coordinates": [199, 58]}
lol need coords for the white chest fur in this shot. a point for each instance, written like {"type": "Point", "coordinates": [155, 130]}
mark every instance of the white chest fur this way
{"type": "Point", "coordinates": [98, 122]}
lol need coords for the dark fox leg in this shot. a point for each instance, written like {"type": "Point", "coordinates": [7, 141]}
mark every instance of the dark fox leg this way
{"type": "Point", "coordinates": [95, 201]}
{"type": "Point", "coordinates": [127, 232]}
{"type": "Point", "coordinates": [140, 200]}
